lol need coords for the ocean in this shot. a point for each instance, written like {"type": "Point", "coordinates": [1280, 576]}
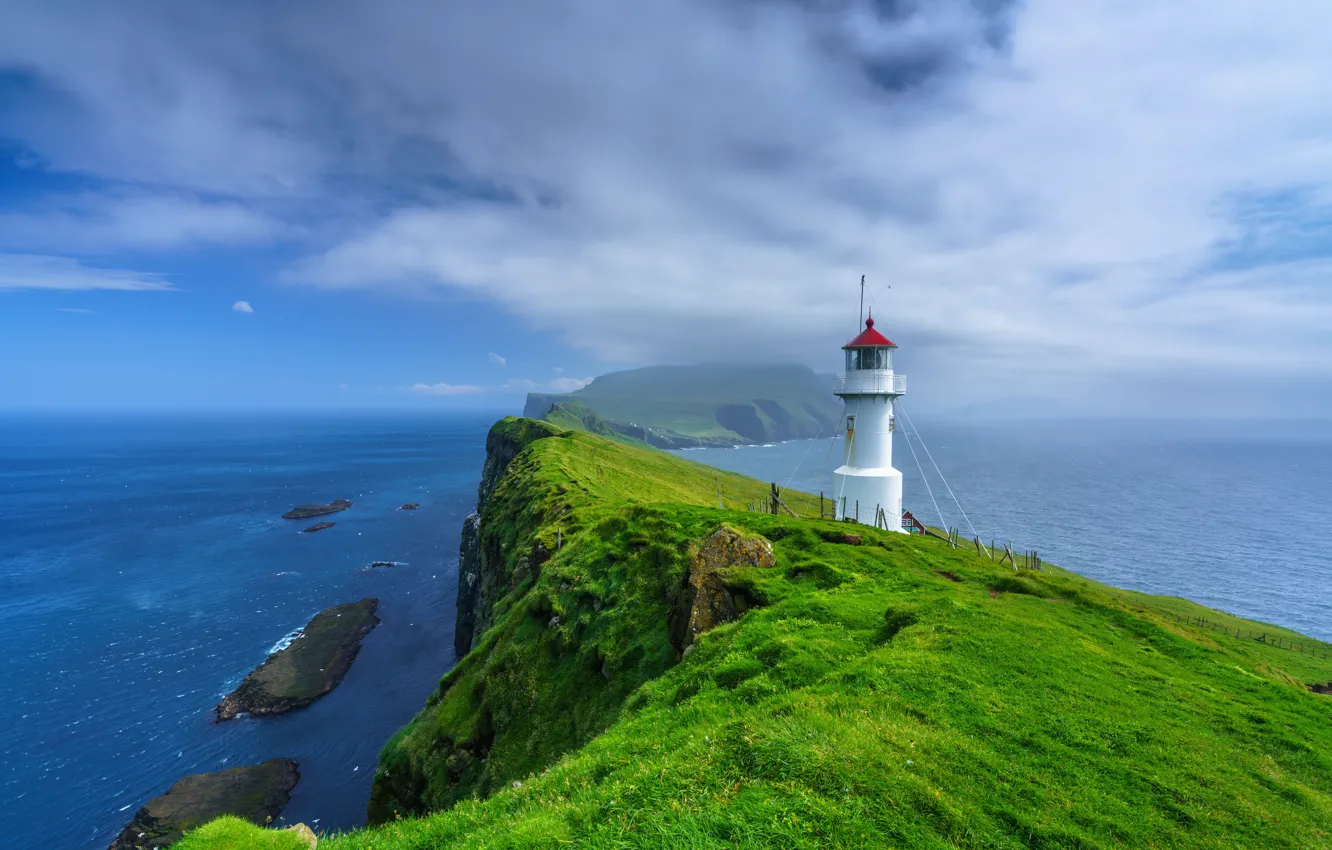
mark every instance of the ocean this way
{"type": "Point", "coordinates": [1229, 514]}
{"type": "Point", "coordinates": [145, 569]}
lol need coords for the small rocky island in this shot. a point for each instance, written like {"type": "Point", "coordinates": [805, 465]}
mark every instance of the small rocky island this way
{"type": "Point", "coordinates": [410, 506]}
{"type": "Point", "coordinates": [308, 511]}
{"type": "Point", "coordinates": [319, 526]}
{"type": "Point", "coordinates": [309, 667]}
{"type": "Point", "coordinates": [257, 793]}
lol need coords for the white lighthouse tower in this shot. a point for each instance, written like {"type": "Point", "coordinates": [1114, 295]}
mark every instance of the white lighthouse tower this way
{"type": "Point", "coordinates": [867, 483]}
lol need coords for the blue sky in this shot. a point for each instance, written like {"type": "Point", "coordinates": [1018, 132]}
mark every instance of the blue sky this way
{"type": "Point", "coordinates": [1099, 207]}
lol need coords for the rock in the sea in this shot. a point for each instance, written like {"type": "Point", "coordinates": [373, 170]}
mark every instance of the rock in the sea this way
{"type": "Point", "coordinates": [257, 793]}
{"type": "Point", "coordinates": [410, 506]}
{"type": "Point", "coordinates": [319, 526]}
{"type": "Point", "coordinates": [309, 667]}
{"type": "Point", "coordinates": [307, 511]}
{"type": "Point", "coordinates": [378, 564]}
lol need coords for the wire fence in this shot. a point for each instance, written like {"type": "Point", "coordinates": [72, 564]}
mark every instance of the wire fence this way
{"type": "Point", "coordinates": [1024, 560]}
{"type": "Point", "coordinates": [1316, 649]}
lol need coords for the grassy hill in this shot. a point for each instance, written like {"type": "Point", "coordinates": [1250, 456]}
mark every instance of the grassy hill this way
{"type": "Point", "coordinates": [715, 404]}
{"type": "Point", "coordinates": [675, 674]}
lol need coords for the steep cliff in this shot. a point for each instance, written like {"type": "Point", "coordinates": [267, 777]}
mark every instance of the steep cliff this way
{"type": "Point", "coordinates": [481, 571]}
{"type": "Point", "coordinates": [679, 674]}
{"type": "Point", "coordinates": [573, 592]}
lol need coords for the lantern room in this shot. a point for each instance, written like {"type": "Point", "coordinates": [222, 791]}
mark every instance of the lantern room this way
{"type": "Point", "coordinates": [869, 351]}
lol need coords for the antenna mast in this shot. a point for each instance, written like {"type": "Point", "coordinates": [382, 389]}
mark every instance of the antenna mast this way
{"type": "Point", "coordinates": [862, 302]}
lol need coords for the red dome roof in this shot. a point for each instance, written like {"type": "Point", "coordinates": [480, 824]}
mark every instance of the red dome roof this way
{"type": "Point", "coordinates": [870, 338]}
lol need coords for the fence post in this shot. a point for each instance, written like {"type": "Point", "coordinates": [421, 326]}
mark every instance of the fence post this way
{"type": "Point", "coordinates": [857, 510]}
{"type": "Point", "coordinates": [820, 504]}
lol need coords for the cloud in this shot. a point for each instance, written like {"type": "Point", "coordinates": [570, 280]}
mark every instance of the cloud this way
{"type": "Point", "coordinates": [137, 220]}
{"type": "Point", "coordinates": [496, 359]}
{"type": "Point", "coordinates": [568, 385]}
{"type": "Point", "coordinates": [1051, 189]}
{"type": "Point", "coordinates": [557, 385]}
{"type": "Point", "coordinates": [35, 271]}
{"type": "Point", "coordinates": [445, 389]}
{"type": "Point", "coordinates": [520, 385]}
{"type": "Point", "coordinates": [80, 310]}
{"type": "Point", "coordinates": [242, 307]}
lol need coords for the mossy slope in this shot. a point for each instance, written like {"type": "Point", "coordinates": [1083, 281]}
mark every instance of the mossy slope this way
{"type": "Point", "coordinates": [865, 699]}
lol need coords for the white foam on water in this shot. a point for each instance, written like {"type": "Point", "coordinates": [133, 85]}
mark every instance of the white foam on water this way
{"type": "Point", "coordinates": [287, 640]}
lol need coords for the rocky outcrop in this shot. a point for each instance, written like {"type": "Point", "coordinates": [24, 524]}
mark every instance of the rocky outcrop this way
{"type": "Point", "coordinates": [308, 511]}
{"type": "Point", "coordinates": [469, 584]}
{"type": "Point", "coordinates": [257, 793]}
{"type": "Point", "coordinates": [481, 569]}
{"type": "Point", "coordinates": [319, 526]}
{"type": "Point", "coordinates": [305, 834]}
{"type": "Point", "coordinates": [712, 597]}
{"type": "Point", "coordinates": [309, 667]}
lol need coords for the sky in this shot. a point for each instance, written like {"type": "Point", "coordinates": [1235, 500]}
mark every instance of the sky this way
{"type": "Point", "coordinates": [1105, 207]}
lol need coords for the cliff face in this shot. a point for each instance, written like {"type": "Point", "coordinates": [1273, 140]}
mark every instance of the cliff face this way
{"type": "Point", "coordinates": [572, 594]}
{"type": "Point", "coordinates": [481, 570]}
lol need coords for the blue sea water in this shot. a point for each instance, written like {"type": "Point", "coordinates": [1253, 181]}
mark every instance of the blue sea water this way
{"type": "Point", "coordinates": [144, 569]}
{"type": "Point", "coordinates": [1233, 515]}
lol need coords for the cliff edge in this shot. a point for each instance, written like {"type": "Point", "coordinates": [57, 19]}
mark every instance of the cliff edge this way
{"type": "Point", "coordinates": [654, 665]}
{"type": "Point", "coordinates": [481, 569]}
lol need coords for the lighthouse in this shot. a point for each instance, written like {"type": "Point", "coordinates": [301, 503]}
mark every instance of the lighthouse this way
{"type": "Point", "coordinates": [866, 482]}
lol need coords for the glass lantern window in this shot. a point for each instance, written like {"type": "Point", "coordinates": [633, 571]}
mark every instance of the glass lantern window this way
{"type": "Point", "coordinates": [867, 359]}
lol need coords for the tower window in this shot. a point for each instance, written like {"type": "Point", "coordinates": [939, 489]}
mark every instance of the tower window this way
{"type": "Point", "coordinates": [861, 359]}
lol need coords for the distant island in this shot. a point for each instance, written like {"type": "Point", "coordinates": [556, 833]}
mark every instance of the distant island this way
{"type": "Point", "coordinates": [309, 667]}
{"type": "Point", "coordinates": [308, 511]}
{"type": "Point", "coordinates": [677, 407]}
{"type": "Point", "coordinates": [319, 526]}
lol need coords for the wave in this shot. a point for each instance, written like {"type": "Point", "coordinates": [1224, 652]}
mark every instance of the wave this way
{"type": "Point", "coordinates": [287, 640]}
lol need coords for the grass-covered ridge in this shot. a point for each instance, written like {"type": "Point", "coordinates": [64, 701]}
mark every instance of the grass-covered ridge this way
{"type": "Point", "coordinates": [710, 404]}
{"type": "Point", "coordinates": [895, 693]}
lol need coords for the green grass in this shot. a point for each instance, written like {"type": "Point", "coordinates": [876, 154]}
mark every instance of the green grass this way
{"type": "Point", "coordinates": [228, 833]}
{"type": "Point", "coordinates": [870, 701]}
